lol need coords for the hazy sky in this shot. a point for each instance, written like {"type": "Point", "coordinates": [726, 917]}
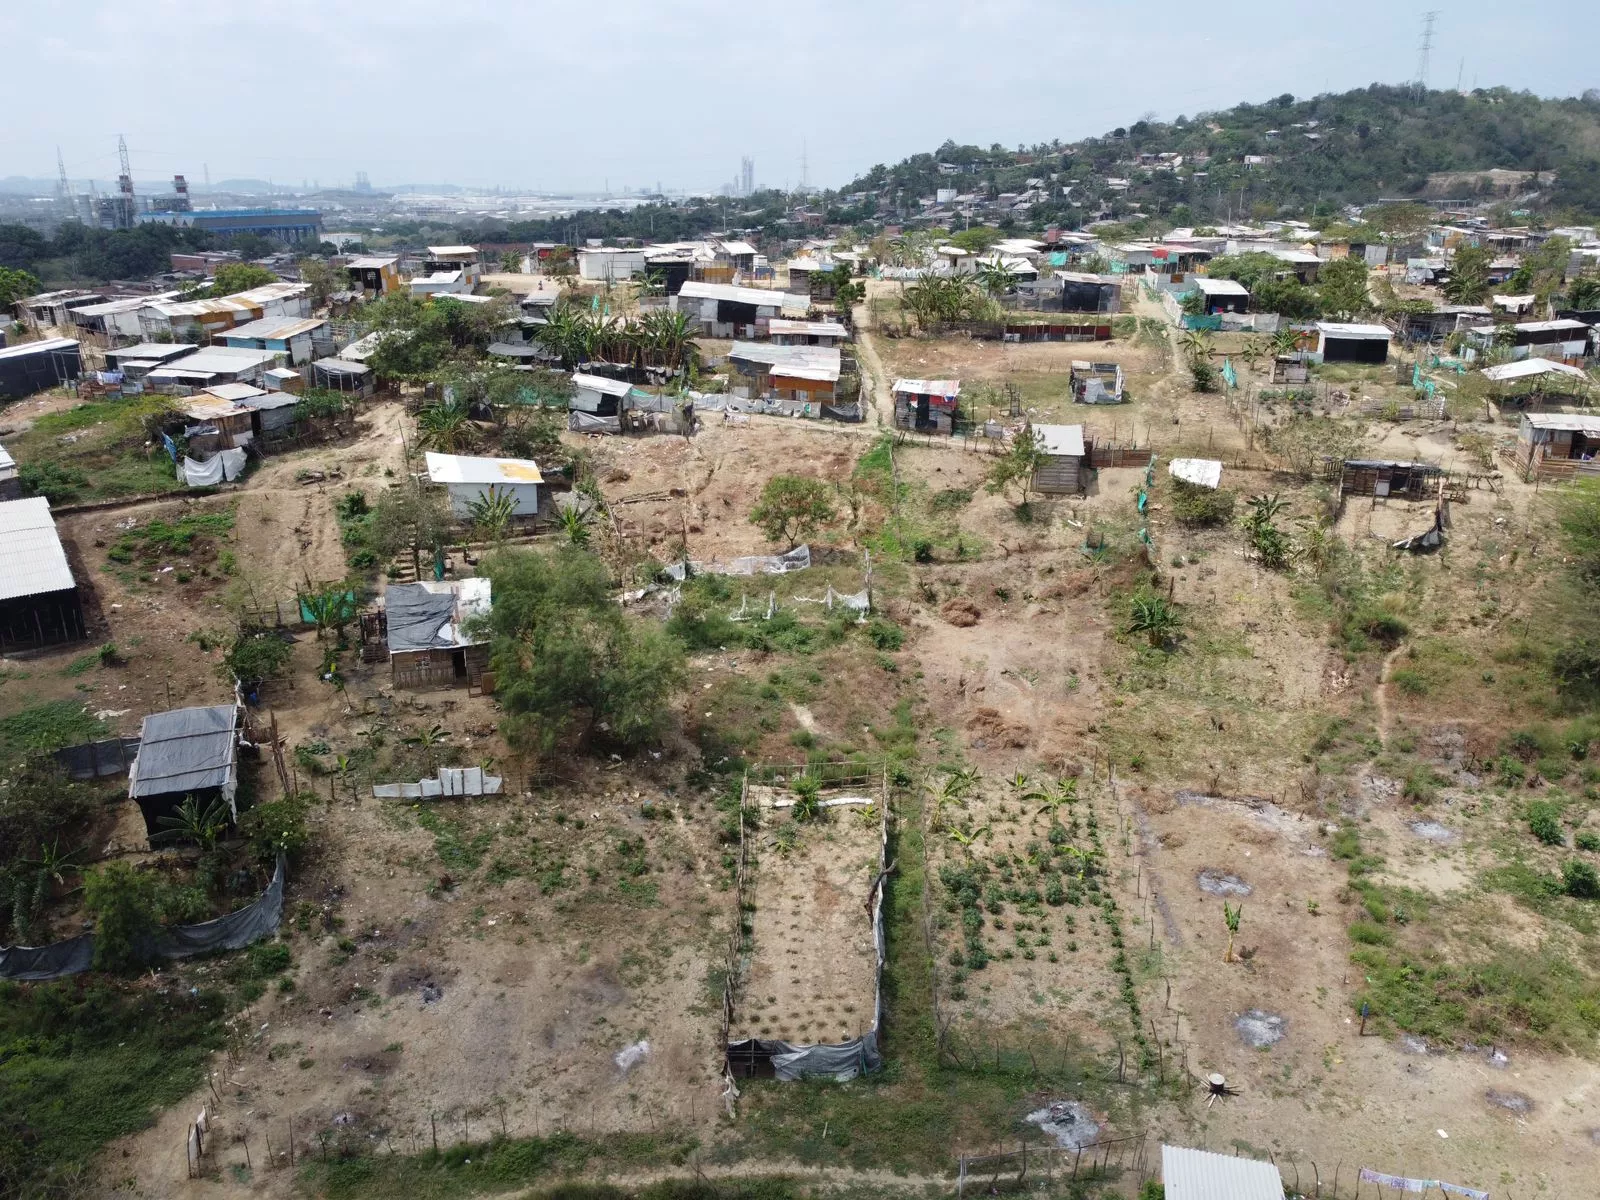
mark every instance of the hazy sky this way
{"type": "Point", "coordinates": [631, 92]}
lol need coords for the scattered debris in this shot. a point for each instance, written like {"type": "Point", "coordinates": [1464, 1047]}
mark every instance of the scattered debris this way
{"type": "Point", "coordinates": [1222, 883]}
{"type": "Point", "coordinates": [1258, 1029]}
{"type": "Point", "coordinates": [1069, 1122]}
{"type": "Point", "coordinates": [631, 1056]}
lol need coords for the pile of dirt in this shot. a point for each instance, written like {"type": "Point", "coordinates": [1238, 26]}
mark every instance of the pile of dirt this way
{"type": "Point", "coordinates": [960, 612]}
{"type": "Point", "coordinates": [994, 732]}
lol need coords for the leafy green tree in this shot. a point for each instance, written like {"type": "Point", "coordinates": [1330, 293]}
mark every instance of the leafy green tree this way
{"type": "Point", "coordinates": [276, 827]}
{"type": "Point", "coordinates": [255, 657]}
{"type": "Point", "coordinates": [793, 507]}
{"type": "Point", "coordinates": [1017, 466]}
{"type": "Point", "coordinates": [324, 278]}
{"type": "Point", "coordinates": [233, 278]}
{"type": "Point", "coordinates": [1469, 275]}
{"type": "Point", "coordinates": [566, 658]}
{"type": "Point", "coordinates": [15, 285]}
{"type": "Point", "coordinates": [1342, 288]}
{"type": "Point", "coordinates": [125, 905]}
{"type": "Point", "coordinates": [1584, 291]}
{"type": "Point", "coordinates": [410, 517]}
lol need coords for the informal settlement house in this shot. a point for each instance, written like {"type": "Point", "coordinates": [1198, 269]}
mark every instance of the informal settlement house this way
{"type": "Point", "coordinates": [39, 600]}
{"type": "Point", "coordinates": [800, 379]}
{"type": "Point", "coordinates": [374, 276]}
{"type": "Point", "coordinates": [10, 478]}
{"type": "Point", "coordinates": [183, 753]}
{"type": "Point", "coordinates": [1386, 479]}
{"type": "Point", "coordinates": [724, 311]}
{"type": "Point", "coordinates": [199, 320]}
{"type": "Point", "coordinates": [1061, 473]}
{"type": "Point", "coordinates": [295, 338]}
{"type": "Point", "coordinates": [806, 333]}
{"type": "Point", "coordinates": [1221, 295]}
{"type": "Point", "coordinates": [596, 403]}
{"type": "Point", "coordinates": [426, 629]}
{"type": "Point", "coordinates": [1565, 339]}
{"type": "Point", "coordinates": [1558, 445]}
{"type": "Point", "coordinates": [137, 361]}
{"type": "Point", "coordinates": [927, 405]}
{"type": "Point", "coordinates": [34, 366]}
{"type": "Point", "coordinates": [213, 365]}
{"type": "Point", "coordinates": [469, 480]}
{"type": "Point", "coordinates": [1338, 342]}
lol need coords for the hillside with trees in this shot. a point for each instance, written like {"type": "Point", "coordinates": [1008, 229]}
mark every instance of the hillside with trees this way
{"type": "Point", "coordinates": [1313, 156]}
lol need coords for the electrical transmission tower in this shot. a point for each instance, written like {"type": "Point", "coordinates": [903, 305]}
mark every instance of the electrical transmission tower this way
{"type": "Point", "coordinates": [1424, 49]}
{"type": "Point", "coordinates": [63, 188]}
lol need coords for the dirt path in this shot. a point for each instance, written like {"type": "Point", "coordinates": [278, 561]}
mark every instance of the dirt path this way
{"type": "Point", "coordinates": [875, 381]}
{"type": "Point", "coordinates": [889, 1182]}
{"type": "Point", "coordinates": [1380, 695]}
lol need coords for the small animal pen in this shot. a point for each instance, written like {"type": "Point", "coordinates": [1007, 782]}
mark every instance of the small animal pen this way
{"type": "Point", "coordinates": [804, 995]}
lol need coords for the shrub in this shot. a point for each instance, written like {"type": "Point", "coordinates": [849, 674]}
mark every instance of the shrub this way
{"type": "Point", "coordinates": [1588, 840]}
{"type": "Point", "coordinates": [1544, 822]}
{"type": "Point", "coordinates": [1410, 682]}
{"type": "Point", "coordinates": [1370, 933]}
{"type": "Point", "coordinates": [1419, 786]}
{"type": "Point", "coordinates": [885, 635]}
{"type": "Point", "coordinates": [124, 903]}
{"type": "Point", "coordinates": [277, 827]}
{"type": "Point", "coordinates": [1198, 506]}
{"type": "Point", "coordinates": [1580, 879]}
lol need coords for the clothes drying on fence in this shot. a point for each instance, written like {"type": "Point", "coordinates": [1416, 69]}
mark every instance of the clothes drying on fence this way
{"type": "Point", "coordinates": [223, 465]}
{"type": "Point", "coordinates": [1402, 1184]}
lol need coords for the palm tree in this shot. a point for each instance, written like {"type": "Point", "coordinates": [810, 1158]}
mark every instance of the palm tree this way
{"type": "Point", "coordinates": [445, 427]}
{"type": "Point", "coordinates": [996, 278]}
{"type": "Point", "coordinates": [197, 823]}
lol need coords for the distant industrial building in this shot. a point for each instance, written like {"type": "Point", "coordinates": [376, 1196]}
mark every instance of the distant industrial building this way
{"type": "Point", "coordinates": [291, 225]}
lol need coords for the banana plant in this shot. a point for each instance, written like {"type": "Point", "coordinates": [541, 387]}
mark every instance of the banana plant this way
{"type": "Point", "coordinates": [966, 840]}
{"type": "Point", "coordinates": [1050, 799]}
{"type": "Point", "coordinates": [1231, 915]}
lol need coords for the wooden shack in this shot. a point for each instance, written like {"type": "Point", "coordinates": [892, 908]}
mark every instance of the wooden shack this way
{"type": "Point", "coordinates": [1062, 471]}
{"type": "Point", "coordinates": [1384, 479]}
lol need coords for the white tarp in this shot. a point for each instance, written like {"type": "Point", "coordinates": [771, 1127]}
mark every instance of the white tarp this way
{"type": "Point", "coordinates": [797, 559]}
{"type": "Point", "coordinates": [1202, 472]}
{"type": "Point", "coordinates": [223, 465]}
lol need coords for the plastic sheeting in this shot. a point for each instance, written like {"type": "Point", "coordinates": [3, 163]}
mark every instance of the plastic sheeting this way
{"type": "Point", "coordinates": [797, 559]}
{"type": "Point", "coordinates": [186, 750]}
{"type": "Point", "coordinates": [224, 465]}
{"type": "Point", "coordinates": [582, 422]}
{"type": "Point", "coordinates": [417, 616]}
{"type": "Point", "coordinates": [451, 781]}
{"type": "Point", "coordinates": [234, 931]}
{"type": "Point", "coordinates": [841, 1062]}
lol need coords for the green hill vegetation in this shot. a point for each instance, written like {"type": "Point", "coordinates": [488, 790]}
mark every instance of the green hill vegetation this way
{"type": "Point", "coordinates": [1320, 154]}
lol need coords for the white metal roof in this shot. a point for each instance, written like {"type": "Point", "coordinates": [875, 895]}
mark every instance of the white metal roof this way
{"type": "Point", "coordinates": [729, 294]}
{"type": "Point", "coordinates": [373, 263]}
{"type": "Point", "coordinates": [1202, 1175]}
{"type": "Point", "coordinates": [1219, 287]}
{"type": "Point", "coordinates": [464, 468]}
{"type": "Point", "coordinates": [809, 328]}
{"type": "Point", "coordinates": [1202, 472]}
{"type": "Point", "coordinates": [738, 247]}
{"type": "Point", "coordinates": [1060, 439]}
{"type": "Point", "coordinates": [274, 328]}
{"type": "Point", "coordinates": [928, 387]}
{"type": "Point", "coordinates": [234, 391]}
{"type": "Point", "coordinates": [31, 558]}
{"type": "Point", "coordinates": [1526, 367]}
{"type": "Point", "coordinates": [1549, 326]}
{"type": "Point", "coordinates": [599, 383]}
{"type": "Point", "coordinates": [796, 362]}
{"type": "Point", "coordinates": [43, 345]}
{"type": "Point", "coordinates": [452, 251]}
{"type": "Point", "coordinates": [160, 351]}
{"type": "Point", "coordinates": [1578, 422]}
{"type": "Point", "coordinates": [1303, 257]}
{"type": "Point", "coordinates": [215, 360]}
{"type": "Point", "coordinates": [1336, 329]}
{"type": "Point", "coordinates": [7, 463]}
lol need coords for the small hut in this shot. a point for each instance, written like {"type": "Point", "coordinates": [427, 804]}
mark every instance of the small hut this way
{"type": "Point", "coordinates": [182, 753]}
{"type": "Point", "coordinates": [1061, 473]}
{"type": "Point", "coordinates": [1386, 479]}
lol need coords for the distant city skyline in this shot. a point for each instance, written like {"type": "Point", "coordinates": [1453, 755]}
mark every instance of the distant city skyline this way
{"type": "Point", "coordinates": [585, 101]}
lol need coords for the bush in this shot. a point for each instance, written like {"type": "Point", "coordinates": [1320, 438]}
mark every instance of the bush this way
{"type": "Point", "coordinates": [57, 484]}
{"type": "Point", "coordinates": [277, 827]}
{"type": "Point", "coordinates": [1588, 840]}
{"type": "Point", "coordinates": [1198, 506]}
{"type": "Point", "coordinates": [124, 903]}
{"type": "Point", "coordinates": [1580, 879]}
{"type": "Point", "coordinates": [1544, 821]}
{"type": "Point", "coordinates": [1410, 682]}
{"type": "Point", "coordinates": [885, 635]}
{"type": "Point", "coordinates": [255, 657]}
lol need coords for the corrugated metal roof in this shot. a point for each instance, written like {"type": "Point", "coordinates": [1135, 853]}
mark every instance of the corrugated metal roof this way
{"type": "Point", "coordinates": [157, 351]}
{"type": "Point", "coordinates": [32, 561]}
{"type": "Point", "coordinates": [1219, 287]}
{"type": "Point", "coordinates": [798, 362]}
{"type": "Point", "coordinates": [729, 294]}
{"type": "Point", "coordinates": [467, 468]}
{"type": "Point", "coordinates": [1337, 329]}
{"type": "Point", "coordinates": [928, 387]}
{"type": "Point", "coordinates": [371, 264]}
{"type": "Point", "coordinates": [42, 346]}
{"type": "Point", "coordinates": [1578, 422]}
{"type": "Point", "coordinates": [275, 328]}
{"type": "Point", "coordinates": [599, 383]}
{"type": "Point", "coordinates": [808, 328]}
{"type": "Point", "coordinates": [1202, 1175]}
{"type": "Point", "coordinates": [341, 366]}
{"type": "Point", "coordinates": [1060, 439]}
{"type": "Point", "coordinates": [454, 251]}
{"type": "Point", "coordinates": [215, 360]}
{"type": "Point", "coordinates": [185, 750]}
{"type": "Point", "coordinates": [1530, 366]}
{"type": "Point", "coordinates": [234, 392]}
